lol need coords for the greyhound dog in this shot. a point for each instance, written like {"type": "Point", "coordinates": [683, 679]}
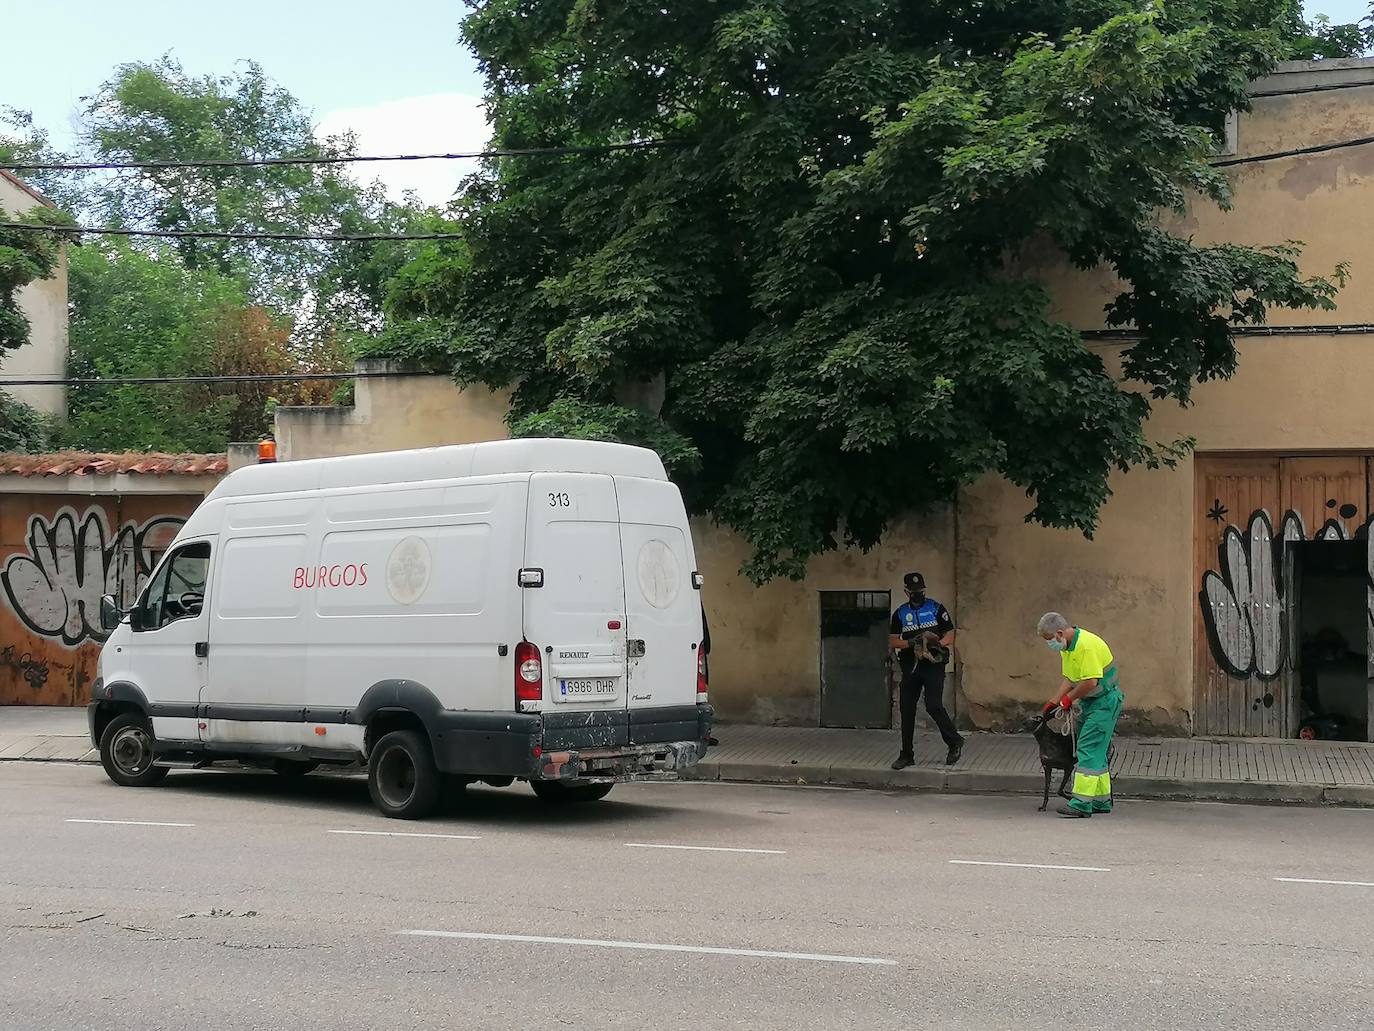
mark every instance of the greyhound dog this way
{"type": "Point", "coordinates": [926, 646]}
{"type": "Point", "coordinates": [1056, 753]}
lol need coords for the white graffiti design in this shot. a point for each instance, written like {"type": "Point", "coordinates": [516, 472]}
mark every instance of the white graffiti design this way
{"type": "Point", "coordinates": [1245, 603]}
{"type": "Point", "coordinates": [72, 560]}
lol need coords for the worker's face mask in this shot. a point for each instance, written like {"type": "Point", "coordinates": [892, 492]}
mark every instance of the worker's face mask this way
{"type": "Point", "coordinates": [1054, 644]}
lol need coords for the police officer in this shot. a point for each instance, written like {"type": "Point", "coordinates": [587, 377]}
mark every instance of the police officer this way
{"type": "Point", "coordinates": [926, 673]}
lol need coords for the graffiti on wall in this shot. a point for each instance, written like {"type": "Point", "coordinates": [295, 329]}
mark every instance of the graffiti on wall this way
{"type": "Point", "coordinates": [71, 560]}
{"type": "Point", "coordinates": [1245, 601]}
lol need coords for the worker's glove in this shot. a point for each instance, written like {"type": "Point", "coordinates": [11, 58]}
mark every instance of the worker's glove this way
{"type": "Point", "coordinates": [1049, 707]}
{"type": "Point", "coordinates": [1064, 702]}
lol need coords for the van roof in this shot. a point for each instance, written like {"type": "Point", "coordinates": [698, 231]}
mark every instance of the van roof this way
{"type": "Point", "coordinates": [531, 454]}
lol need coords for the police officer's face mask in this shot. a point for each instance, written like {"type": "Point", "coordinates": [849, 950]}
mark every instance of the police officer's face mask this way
{"type": "Point", "coordinates": [916, 597]}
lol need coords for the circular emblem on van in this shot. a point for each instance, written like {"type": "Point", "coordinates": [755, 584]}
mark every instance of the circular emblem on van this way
{"type": "Point", "coordinates": [659, 576]}
{"type": "Point", "coordinates": [407, 570]}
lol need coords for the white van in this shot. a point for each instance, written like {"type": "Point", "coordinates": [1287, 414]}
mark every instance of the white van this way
{"type": "Point", "coordinates": [513, 610]}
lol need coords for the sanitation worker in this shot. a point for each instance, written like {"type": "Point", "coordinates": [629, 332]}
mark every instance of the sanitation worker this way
{"type": "Point", "coordinates": [1091, 680]}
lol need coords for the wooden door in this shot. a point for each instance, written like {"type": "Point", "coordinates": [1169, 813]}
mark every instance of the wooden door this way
{"type": "Point", "coordinates": [1237, 649]}
{"type": "Point", "coordinates": [1246, 634]}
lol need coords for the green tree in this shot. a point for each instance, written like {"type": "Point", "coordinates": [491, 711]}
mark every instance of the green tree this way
{"type": "Point", "coordinates": [1319, 38]}
{"type": "Point", "coordinates": [812, 303]}
{"type": "Point", "coordinates": [156, 111]}
{"type": "Point", "coordinates": [138, 313]}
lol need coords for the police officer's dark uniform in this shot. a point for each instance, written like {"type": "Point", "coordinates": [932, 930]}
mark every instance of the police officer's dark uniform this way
{"type": "Point", "coordinates": [919, 677]}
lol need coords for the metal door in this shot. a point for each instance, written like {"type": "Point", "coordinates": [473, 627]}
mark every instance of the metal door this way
{"type": "Point", "coordinates": [854, 683]}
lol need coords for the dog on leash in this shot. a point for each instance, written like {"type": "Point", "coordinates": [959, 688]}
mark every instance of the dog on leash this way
{"type": "Point", "coordinates": [1056, 753]}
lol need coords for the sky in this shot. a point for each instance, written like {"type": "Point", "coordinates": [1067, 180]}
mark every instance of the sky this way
{"type": "Point", "coordinates": [395, 74]}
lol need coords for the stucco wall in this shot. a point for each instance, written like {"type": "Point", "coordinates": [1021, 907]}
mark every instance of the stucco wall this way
{"type": "Point", "coordinates": [765, 641]}
{"type": "Point", "coordinates": [392, 414]}
{"type": "Point", "coordinates": [45, 305]}
{"type": "Point", "coordinates": [1135, 582]}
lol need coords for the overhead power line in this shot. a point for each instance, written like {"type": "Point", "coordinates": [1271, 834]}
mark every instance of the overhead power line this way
{"type": "Point", "coordinates": [497, 152]}
{"type": "Point", "coordinates": [221, 234]}
{"type": "Point", "coordinates": [128, 381]}
{"type": "Point", "coordinates": [1319, 148]}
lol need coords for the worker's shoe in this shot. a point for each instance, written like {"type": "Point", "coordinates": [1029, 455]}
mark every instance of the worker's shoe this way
{"type": "Point", "coordinates": [954, 752]}
{"type": "Point", "coordinates": [903, 761]}
{"type": "Point", "coordinates": [1071, 813]}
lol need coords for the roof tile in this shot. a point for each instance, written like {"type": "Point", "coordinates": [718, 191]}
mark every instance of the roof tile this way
{"type": "Point", "coordinates": [84, 463]}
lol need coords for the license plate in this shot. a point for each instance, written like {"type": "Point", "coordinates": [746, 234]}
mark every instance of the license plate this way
{"type": "Point", "coordinates": [593, 687]}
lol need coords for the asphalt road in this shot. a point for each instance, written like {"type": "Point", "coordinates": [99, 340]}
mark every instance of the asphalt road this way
{"type": "Point", "coordinates": [241, 902]}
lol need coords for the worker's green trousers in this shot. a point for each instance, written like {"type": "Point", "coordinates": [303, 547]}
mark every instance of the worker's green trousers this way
{"type": "Point", "coordinates": [1092, 784]}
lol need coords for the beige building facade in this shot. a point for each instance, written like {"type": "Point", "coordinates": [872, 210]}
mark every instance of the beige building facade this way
{"type": "Point", "coordinates": [45, 304]}
{"type": "Point", "coordinates": [1235, 590]}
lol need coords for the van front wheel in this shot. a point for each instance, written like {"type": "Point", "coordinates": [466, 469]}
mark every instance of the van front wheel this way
{"type": "Point", "coordinates": [126, 752]}
{"type": "Point", "coordinates": [401, 776]}
{"type": "Point", "coordinates": [564, 794]}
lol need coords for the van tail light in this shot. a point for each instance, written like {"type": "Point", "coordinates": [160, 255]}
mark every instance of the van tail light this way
{"type": "Point", "coordinates": [701, 675]}
{"type": "Point", "coordinates": [529, 674]}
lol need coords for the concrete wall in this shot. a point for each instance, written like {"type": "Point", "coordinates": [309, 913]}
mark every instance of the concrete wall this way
{"type": "Point", "coordinates": [1135, 582]}
{"type": "Point", "coordinates": [392, 414]}
{"type": "Point", "coordinates": [1292, 394]}
{"type": "Point", "coordinates": [45, 305]}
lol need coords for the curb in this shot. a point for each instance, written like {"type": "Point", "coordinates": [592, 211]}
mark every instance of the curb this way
{"type": "Point", "coordinates": [976, 782]}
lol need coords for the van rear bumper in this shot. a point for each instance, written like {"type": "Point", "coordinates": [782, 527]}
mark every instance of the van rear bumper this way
{"type": "Point", "coordinates": [621, 744]}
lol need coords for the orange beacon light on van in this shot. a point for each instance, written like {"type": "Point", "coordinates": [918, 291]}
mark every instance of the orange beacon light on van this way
{"type": "Point", "coordinates": [267, 451]}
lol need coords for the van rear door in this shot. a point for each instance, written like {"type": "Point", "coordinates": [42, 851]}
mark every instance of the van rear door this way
{"type": "Point", "coordinates": [663, 610]}
{"type": "Point", "coordinates": [577, 617]}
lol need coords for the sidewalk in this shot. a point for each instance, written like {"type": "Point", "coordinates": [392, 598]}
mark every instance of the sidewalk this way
{"type": "Point", "coordinates": [1236, 770]}
{"type": "Point", "coordinates": [1239, 770]}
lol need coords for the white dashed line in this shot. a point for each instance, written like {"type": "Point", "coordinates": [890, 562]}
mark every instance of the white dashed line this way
{"type": "Point", "coordinates": [133, 823]}
{"type": "Point", "coordinates": [709, 848]}
{"type": "Point", "coordinates": [1308, 880]}
{"type": "Point", "coordinates": [705, 950]}
{"type": "Point", "coordinates": [409, 834]}
{"type": "Point", "coordinates": [1031, 866]}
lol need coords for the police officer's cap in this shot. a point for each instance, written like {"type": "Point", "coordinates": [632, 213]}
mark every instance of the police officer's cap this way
{"type": "Point", "coordinates": [914, 582]}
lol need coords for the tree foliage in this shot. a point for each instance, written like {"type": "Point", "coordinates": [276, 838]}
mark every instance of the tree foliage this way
{"type": "Point", "coordinates": [139, 313]}
{"type": "Point", "coordinates": [1320, 38]}
{"type": "Point", "coordinates": [824, 272]}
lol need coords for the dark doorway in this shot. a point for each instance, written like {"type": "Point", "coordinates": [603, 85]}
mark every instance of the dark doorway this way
{"type": "Point", "coordinates": [854, 690]}
{"type": "Point", "coordinates": [1332, 620]}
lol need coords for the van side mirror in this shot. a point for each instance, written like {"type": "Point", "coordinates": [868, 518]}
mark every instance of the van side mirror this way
{"type": "Point", "coordinates": [110, 615]}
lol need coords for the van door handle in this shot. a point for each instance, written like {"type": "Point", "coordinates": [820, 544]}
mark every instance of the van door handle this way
{"type": "Point", "coordinates": [635, 649]}
{"type": "Point", "coordinates": [202, 649]}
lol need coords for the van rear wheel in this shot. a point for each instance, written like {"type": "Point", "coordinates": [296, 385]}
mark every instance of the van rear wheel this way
{"type": "Point", "coordinates": [559, 793]}
{"type": "Point", "coordinates": [401, 776]}
{"type": "Point", "coordinates": [126, 752]}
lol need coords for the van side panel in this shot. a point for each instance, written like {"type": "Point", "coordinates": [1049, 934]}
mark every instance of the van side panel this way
{"type": "Point", "coordinates": [258, 624]}
{"type": "Point", "coordinates": [417, 584]}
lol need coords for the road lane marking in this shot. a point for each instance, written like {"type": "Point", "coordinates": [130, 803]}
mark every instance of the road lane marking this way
{"type": "Point", "coordinates": [1309, 880]}
{"type": "Point", "coordinates": [409, 834]}
{"type": "Point", "coordinates": [705, 950]}
{"type": "Point", "coordinates": [709, 848]}
{"type": "Point", "coordinates": [1031, 866]}
{"type": "Point", "coordinates": [134, 823]}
